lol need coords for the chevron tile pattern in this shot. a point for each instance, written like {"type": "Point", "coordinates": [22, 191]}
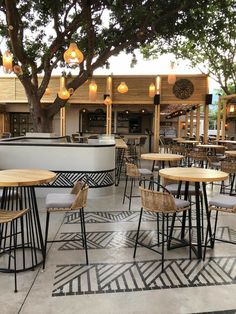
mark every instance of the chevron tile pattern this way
{"type": "Point", "coordinates": [112, 216]}
{"type": "Point", "coordinates": [142, 275]}
{"type": "Point", "coordinates": [95, 179]}
{"type": "Point", "coordinates": [109, 217]}
{"type": "Point", "coordinates": [126, 239]}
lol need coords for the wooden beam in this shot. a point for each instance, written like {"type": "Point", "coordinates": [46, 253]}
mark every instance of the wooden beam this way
{"type": "Point", "coordinates": [179, 127]}
{"type": "Point", "coordinates": [186, 124]}
{"type": "Point", "coordinates": [198, 123]}
{"type": "Point", "coordinates": [191, 122]}
{"type": "Point", "coordinates": [218, 119]}
{"type": "Point", "coordinates": [156, 128]}
{"type": "Point", "coordinates": [206, 123]}
{"type": "Point", "coordinates": [223, 119]}
{"type": "Point", "coordinates": [63, 121]}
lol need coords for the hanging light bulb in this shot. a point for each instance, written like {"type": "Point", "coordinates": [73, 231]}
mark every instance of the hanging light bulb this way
{"type": "Point", "coordinates": [7, 62]}
{"type": "Point", "coordinates": [63, 92]}
{"type": "Point", "coordinates": [172, 77]}
{"type": "Point", "coordinates": [73, 55]}
{"type": "Point", "coordinates": [107, 100]}
{"type": "Point", "coordinates": [152, 90]}
{"type": "Point", "coordinates": [122, 88]}
{"type": "Point", "coordinates": [92, 91]}
{"type": "Point", "coordinates": [47, 91]}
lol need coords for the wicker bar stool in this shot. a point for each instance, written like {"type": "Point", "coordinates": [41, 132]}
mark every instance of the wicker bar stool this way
{"type": "Point", "coordinates": [198, 158]}
{"type": "Point", "coordinates": [133, 173]}
{"type": "Point", "coordinates": [228, 166]}
{"type": "Point", "coordinates": [76, 200]}
{"type": "Point", "coordinates": [158, 199]}
{"type": "Point", "coordinates": [5, 218]}
{"type": "Point", "coordinates": [220, 203]}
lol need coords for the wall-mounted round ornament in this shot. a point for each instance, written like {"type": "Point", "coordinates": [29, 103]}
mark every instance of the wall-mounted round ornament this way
{"type": "Point", "coordinates": [183, 88]}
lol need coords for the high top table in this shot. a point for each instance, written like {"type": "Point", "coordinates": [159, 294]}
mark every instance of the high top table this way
{"type": "Point", "coordinates": [197, 176]}
{"type": "Point", "coordinates": [161, 157]}
{"type": "Point", "coordinates": [231, 153]}
{"type": "Point", "coordinates": [19, 193]}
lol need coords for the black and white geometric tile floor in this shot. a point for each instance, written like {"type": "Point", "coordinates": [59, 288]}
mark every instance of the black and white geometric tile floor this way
{"type": "Point", "coordinates": [114, 282]}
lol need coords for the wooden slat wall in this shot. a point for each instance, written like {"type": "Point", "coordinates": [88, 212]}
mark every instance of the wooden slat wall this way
{"type": "Point", "coordinates": [7, 89]}
{"type": "Point", "coordinates": [198, 96]}
{"type": "Point", "coordinates": [12, 90]}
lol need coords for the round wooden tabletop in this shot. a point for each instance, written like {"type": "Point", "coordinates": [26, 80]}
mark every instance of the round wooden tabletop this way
{"type": "Point", "coordinates": [226, 141]}
{"type": "Point", "coordinates": [231, 153]}
{"type": "Point", "coordinates": [161, 157]}
{"type": "Point", "coordinates": [209, 146]}
{"type": "Point", "coordinates": [192, 174]}
{"type": "Point", "coordinates": [188, 141]}
{"type": "Point", "coordinates": [25, 177]}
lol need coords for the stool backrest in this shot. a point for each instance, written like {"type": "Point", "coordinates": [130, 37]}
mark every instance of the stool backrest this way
{"type": "Point", "coordinates": [156, 201]}
{"type": "Point", "coordinates": [228, 166]}
{"type": "Point", "coordinates": [132, 170]}
{"type": "Point", "coordinates": [81, 198]}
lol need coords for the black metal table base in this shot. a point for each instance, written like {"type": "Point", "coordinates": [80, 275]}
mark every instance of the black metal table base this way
{"type": "Point", "coordinates": [30, 245]}
{"type": "Point", "coordinates": [197, 248]}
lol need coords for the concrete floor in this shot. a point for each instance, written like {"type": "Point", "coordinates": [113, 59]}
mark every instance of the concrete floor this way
{"type": "Point", "coordinates": [113, 282]}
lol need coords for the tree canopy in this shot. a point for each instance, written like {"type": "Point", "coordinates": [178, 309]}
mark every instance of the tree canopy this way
{"type": "Point", "coordinates": [211, 46]}
{"type": "Point", "coordinates": [38, 32]}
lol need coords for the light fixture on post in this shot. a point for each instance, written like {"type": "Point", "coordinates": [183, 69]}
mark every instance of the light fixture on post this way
{"type": "Point", "coordinates": [108, 103]}
{"type": "Point", "coordinates": [231, 105]}
{"type": "Point", "coordinates": [92, 91]}
{"type": "Point", "coordinates": [7, 62]}
{"type": "Point", "coordinates": [152, 90]}
{"type": "Point", "coordinates": [63, 92]}
{"type": "Point", "coordinates": [172, 77]}
{"type": "Point", "coordinates": [122, 88]}
{"type": "Point", "coordinates": [107, 100]}
{"type": "Point", "coordinates": [73, 55]}
{"type": "Point", "coordinates": [231, 108]}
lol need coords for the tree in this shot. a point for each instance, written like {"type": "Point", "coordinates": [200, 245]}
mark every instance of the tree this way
{"type": "Point", "coordinates": [211, 46]}
{"type": "Point", "coordinates": [132, 24]}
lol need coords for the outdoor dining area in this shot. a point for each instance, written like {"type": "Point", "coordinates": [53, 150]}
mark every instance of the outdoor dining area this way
{"type": "Point", "coordinates": [178, 205]}
{"type": "Point", "coordinates": [117, 157]}
{"type": "Point", "coordinates": [117, 213]}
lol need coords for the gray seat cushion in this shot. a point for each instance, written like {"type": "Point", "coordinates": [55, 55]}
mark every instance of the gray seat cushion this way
{"type": "Point", "coordinates": [181, 203]}
{"type": "Point", "coordinates": [173, 188]}
{"type": "Point", "coordinates": [145, 172]}
{"type": "Point", "coordinates": [60, 200]}
{"type": "Point", "coordinates": [226, 201]}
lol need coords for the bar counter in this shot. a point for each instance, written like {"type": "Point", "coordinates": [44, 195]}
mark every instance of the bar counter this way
{"type": "Point", "coordinates": [70, 161]}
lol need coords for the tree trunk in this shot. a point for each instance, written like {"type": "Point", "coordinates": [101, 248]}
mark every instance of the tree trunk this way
{"type": "Point", "coordinates": [42, 121]}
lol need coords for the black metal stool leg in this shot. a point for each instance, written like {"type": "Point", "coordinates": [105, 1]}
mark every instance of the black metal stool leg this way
{"type": "Point", "coordinates": [82, 227]}
{"type": "Point", "coordinates": [137, 236]}
{"type": "Point", "coordinates": [131, 192]}
{"type": "Point", "coordinates": [126, 181]}
{"type": "Point", "coordinates": [85, 239]}
{"type": "Point", "coordinates": [14, 256]}
{"type": "Point", "coordinates": [46, 239]}
{"type": "Point", "coordinates": [190, 232]}
{"type": "Point", "coordinates": [163, 243]}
